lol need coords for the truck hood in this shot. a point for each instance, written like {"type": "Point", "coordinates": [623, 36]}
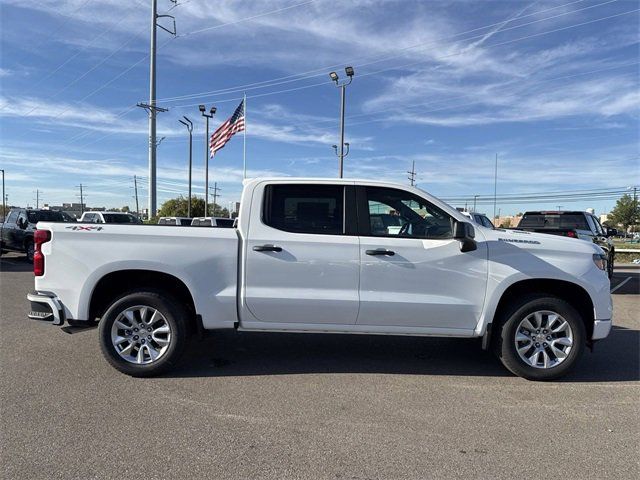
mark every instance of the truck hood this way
{"type": "Point", "coordinates": [540, 241]}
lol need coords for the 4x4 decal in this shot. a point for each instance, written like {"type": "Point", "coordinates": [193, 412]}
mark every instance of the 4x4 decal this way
{"type": "Point", "coordinates": [82, 227]}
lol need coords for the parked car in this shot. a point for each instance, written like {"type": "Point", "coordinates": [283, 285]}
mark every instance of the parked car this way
{"type": "Point", "coordinates": [212, 222]}
{"type": "Point", "coordinates": [109, 217]}
{"type": "Point", "coordinates": [17, 230]}
{"type": "Point", "coordinates": [573, 224]}
{"type": "Point", "coordinates": [177, 221]}
{"type": "Point", "coordinates": [305, 257]}
{"type": "Point", "coordinates": [479, 219]}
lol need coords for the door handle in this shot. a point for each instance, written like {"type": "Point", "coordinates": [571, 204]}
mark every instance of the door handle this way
{"type": "Point", "coordinates": [267, 248]}
{"type": "Point", "coordinates": [381, 251]}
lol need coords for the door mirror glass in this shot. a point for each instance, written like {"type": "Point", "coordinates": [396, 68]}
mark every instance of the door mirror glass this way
{"type": "Point", "coordinates": [22, 223]}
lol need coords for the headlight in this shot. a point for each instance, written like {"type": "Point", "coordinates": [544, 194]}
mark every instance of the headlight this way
{"type": "Point", "coordinates": [600, 260]}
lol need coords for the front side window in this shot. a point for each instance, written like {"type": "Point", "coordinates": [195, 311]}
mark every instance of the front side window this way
{"type": "Point", "coordinates": [396, 213]}
{"type": "Point", "coordinates": [315, 209]}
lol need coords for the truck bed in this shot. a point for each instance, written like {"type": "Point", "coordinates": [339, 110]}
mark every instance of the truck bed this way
{"type": "Point", "coordinates": [205, 259]}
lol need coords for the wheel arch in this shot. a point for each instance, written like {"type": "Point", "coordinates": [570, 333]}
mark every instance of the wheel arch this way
{"type": "Point", "coordinates": [570, 292]}
{"type": "Point", "coordinates": [119, 282]}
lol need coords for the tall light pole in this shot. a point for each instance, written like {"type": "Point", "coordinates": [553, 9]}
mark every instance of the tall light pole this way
{"type": "Point", "coordinates": [189, 124]}
{"type": "Point", "coordinates": [343, 88]}
{"type": "Point", "coordinates": [207, 116]}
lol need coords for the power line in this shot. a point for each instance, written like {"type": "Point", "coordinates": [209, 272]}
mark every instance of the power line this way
{"type": "Point", "coordinates": [460, 52]}
{"type": "Point", "coordinates": [322, 70]}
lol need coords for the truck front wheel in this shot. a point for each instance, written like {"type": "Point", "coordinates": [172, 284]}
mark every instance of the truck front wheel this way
{"type": "Point", "coordinates": [143, 333]}
{"type": "Point", "coordinates": [541, 338]}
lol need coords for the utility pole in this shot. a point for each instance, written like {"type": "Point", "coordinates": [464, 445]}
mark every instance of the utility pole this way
{"type": "Point", "coordinates": [151, 107]}
{"type": "Point", "coordinates": [135, 188]}
{"type": "Point", "coordinates": [475, 200]}
{"type": "Point", "coordinates": [189, 124]}
{"type": "Point", "coordinates": [412, 174]}
{"type": "Point", "coordinates": [343, 88]}
{"type": "Point", "coordinates": [215, 197]}
{"type": "Point", "coordinates": [559, 207]}
{"type": "Point", "coordinates": [495, 187]}
{"type": "Point", "coordinates": [81, 199]}
{"type": "Point", "coordinates": [4, 198]}
{"type": "Point", "coordinates": [207, 116]}
{"type": "Point", "coordinates": [37, 198]}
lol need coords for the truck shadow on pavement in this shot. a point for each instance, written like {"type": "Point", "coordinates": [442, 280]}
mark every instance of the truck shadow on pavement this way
{"type": "Point", "coordinates": [15, 264]}
{"type": "Point", "coordinates": [239, 354]}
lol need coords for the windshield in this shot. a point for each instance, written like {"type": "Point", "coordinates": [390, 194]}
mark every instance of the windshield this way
{"type": "Point", "coordinates": [119, 218]}
{"type": "Point", "coordinates": [45, 216]}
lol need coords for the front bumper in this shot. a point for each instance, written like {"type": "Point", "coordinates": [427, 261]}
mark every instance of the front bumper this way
{"type": "Point", "coordinates": [601, 329]}
{"type": "Point", "coordinates": [45, 307]}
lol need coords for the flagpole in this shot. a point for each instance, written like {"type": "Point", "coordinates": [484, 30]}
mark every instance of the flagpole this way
{"type": "Point", "coordinates": [244, 146]}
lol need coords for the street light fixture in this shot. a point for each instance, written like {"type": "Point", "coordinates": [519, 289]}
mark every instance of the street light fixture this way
{"type": "Point", "coordinates": [189, 124]}
{"type": "Point", "coordinates": [207, 116]}
{"type": "Point", "coordinates": [340, 152]}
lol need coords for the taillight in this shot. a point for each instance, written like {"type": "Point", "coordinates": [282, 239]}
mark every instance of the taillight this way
{"type": "Point", "coordinates": [572, 234]}
{"type": "Point", "coordinates": [39, 237]}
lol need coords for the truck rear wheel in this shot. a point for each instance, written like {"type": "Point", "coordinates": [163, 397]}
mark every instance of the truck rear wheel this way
{"type": "Point", "coordinates": [29, 250]}
{"type": "Point", "coordinates": [541, 338]}
{"type": "Point", "coordinates": [143, 333]}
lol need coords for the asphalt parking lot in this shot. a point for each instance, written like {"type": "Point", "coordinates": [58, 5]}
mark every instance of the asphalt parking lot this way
{"type": "Point", "coordinates": [313, 406]}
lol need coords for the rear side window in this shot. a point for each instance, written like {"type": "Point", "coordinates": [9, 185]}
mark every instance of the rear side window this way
{"type": "Point", "coordinates": [315, 209]}
{"type": "Point", "coordinates": [13, 216]}
{"type": "Point", "coordinates": [45, 216]}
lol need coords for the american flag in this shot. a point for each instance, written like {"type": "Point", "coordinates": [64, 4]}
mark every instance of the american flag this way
{"type": "Point", "coordinates": [234, 124]}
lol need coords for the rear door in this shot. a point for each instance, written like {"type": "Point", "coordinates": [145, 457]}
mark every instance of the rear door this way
{"type": "Point", "coordinates": [416, 277]}
{"type": "Point", "coordinates": [302, 255]}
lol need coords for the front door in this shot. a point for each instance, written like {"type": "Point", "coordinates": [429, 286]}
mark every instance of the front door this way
{"type": "Point", "coordinates": [413, 273]}
{"type": "Point", "coordinates": [302, 255]}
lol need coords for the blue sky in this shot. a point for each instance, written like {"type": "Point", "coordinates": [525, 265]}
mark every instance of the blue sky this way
{"type": "Point", "coordinates": [552, 87]}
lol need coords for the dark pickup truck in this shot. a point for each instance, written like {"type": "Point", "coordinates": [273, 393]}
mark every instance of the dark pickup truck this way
{"type": "Point", "coordinates": [18, 228]}
{"type": "Point", "coordinates": [574, 224]}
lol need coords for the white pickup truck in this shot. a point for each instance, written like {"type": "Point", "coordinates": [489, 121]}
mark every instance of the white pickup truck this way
{"type": "Point", "coordinates": [325, 256]}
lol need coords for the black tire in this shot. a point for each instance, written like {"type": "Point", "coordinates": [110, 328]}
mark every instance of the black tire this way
{"type": "Point", "coordinates": [29, 249]}
{"type": "Point", "coordinates": [610, 266]}
{"type": "Point", "coordinates": [505, 346]}
{"type": "Point", "coordinates": [176, 316]}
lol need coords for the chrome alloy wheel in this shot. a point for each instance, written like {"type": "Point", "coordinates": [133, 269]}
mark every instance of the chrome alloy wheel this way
{"type": "Point", "coordinates": [544, 339]}
{"type": "Point", "coordinates": [140, 334]}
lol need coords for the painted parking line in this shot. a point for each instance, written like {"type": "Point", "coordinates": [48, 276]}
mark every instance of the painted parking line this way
{"type": "Point", "coordinates": [620, 284]}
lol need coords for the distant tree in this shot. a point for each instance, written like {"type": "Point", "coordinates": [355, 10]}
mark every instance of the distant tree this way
{"type": "Point", "coordinates": [125, 209]}
{"type": "Point", "coordinates": [626, 212]}
{"type": "Point", "coordinates": [178, 207]}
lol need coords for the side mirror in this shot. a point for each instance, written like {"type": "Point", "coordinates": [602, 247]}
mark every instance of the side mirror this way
{"type": "Point", "coordinates": [22, 223]}
{"type": "Point", "coordinates": [465, 234]}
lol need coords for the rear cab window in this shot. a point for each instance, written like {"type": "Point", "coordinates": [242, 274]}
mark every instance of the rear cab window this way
{"type": "Point", "coordinates": [575, 221]}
